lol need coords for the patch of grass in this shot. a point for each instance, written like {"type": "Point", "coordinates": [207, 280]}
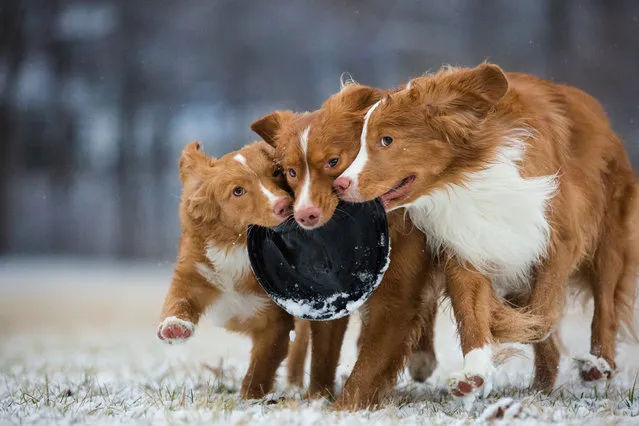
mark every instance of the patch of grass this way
{"type": "Point", "coordinates": [138, 383]}
{"type": "Point", "coordinates": [203, 395]}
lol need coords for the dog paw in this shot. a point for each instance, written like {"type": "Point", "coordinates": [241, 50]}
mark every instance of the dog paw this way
{"type": "Point", "coordinates": [175, 330]}
{"type": "Point", "coordinates": [466, 388]}
{"type": "Point", "coordinates": [504, 409]}
{"type": "Point", "coordinates": [593, 369]}
{"type": "Point", "coordinates": [421, 366]}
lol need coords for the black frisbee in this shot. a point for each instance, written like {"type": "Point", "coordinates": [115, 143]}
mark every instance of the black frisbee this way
{"type": "Point", "coordinates": [328, 272]}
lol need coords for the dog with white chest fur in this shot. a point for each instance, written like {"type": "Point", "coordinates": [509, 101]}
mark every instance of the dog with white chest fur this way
{"type": "Point", "coordinates": [520, 185]}
{"type": "Point", "coordinates": [221, 199]}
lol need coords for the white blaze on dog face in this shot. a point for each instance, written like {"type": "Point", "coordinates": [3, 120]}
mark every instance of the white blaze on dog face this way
{"type": "Point", "coordinates": [304, 198]}
{"type": "Point", "coordinates": [240, 159]}
{"type": "Point", "coordinates": [424, 153]}
{"type": "Point", "coordinates": [272, 198]}
{"type": "Point", "coordinates": [314, 150]}
{"type": "Point", "coordinates": [412, 136]}
{"type": "Point", "coordinates": [241, 189]}
{"type": "Point", "coordinates": [356, 167]}
{"type": "Point", "coordinates": [384, 168]}
{"type": "Point", "coordinates": [289, 132]}
{"type": "Point", "coordinates": [316, 147]}
{"type": "Point", "coordinates": [298, 155]}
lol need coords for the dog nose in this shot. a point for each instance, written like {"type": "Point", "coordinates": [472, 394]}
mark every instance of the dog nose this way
{"type": "Point", "coordinates": [282, 208]}
{"type": "Point", "coordinates": [341, 184]}
{"type": "Point", "coordinates": [309, 216]}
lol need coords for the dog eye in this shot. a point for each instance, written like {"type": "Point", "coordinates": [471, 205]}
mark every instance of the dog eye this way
{"type": "Point", "coordinates": [239, 191]}
{"type": "Point", "coordinates": [292, 173]}
{"type": "Point", "coordinates": [386, 140]}
{"type": "Point", "coordinates": [277, 172]}
{"type": "Point", "coordinates": [333, 162]}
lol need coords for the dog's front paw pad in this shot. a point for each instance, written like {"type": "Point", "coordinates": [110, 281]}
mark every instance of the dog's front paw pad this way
{"type": "Point", "coordinates": [175, 330]}
{"type": "Point", "coordinates": [593, 369]}
{"type": "Point", "coordinates": [465, 388]}
{"type": "Point", "coordinates": [462, 386]}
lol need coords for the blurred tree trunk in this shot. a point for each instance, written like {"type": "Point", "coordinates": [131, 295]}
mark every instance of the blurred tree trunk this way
{"type": "Point", "coordinates": [160, 157]}
{"type": "Point", "coordinates": [60, 139]}
{"type": "Point", "coordinates": [129, 102]}
{"type": "Point", "coordinates": [12, 48]}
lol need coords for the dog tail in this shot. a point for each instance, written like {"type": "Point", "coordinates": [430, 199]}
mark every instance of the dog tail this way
{"type": "Point", "coordinates": [508, 324]}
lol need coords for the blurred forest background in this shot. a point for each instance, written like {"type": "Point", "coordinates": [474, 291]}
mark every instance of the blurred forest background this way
{"type": "Point", "coordinates": [98, 97]}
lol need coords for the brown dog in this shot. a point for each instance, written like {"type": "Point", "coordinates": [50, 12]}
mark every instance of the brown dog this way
{"type": "Point", "coordinates": [220, 200]}
{"type": "Point", "coordinates": [521, 185]}
{"type": "Point", "coordinates": [392, 317]}
{"type": "Point", "coordinates": [332, 142]}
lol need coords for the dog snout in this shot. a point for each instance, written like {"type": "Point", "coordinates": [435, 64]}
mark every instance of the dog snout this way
{"type": "Point", "coordinates": [342, 184]}
{"type": "Point", "coordinates": [282, 208]}
{"type": "Point", "coordinates": [308, 216]}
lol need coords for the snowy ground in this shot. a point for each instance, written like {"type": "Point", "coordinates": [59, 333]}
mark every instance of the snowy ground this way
{"type": "Point", "coordinates": [78, 345]}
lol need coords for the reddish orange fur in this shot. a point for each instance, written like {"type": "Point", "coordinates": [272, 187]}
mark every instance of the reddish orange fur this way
{"type": "Point", "coordinates": [212, 215]}
{"type": "Point", "coordinates": [451, 123]}
{"type": "Point", "coordinates": [394, 315]}
{"type": "Point", "coordinates": [297, 353]}
{"type": "Point", "coordinates": [335, 130]}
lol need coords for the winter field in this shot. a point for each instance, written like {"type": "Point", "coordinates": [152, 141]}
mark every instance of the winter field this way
{"type": "Point", "coordinates": [78, 345]}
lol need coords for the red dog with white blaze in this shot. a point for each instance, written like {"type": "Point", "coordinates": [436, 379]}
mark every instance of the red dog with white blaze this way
{"type": "Point", "coordinates": [221, 198]}
{"type": "Point", "coordinates": [393, 317]}
{"type": "Point", "coordinates": [314, 149]}
{"type": "Point", "coordinates": [520, 184]}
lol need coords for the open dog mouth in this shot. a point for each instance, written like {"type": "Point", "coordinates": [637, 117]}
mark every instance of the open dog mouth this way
{"type": "Point", "coordinates": [398, 191]}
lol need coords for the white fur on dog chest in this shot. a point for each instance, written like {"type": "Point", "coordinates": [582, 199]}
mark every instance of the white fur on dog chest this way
{"type": "Point", "coordinates": [496, 220]}
{"type": "Point", "coordinates": [231, 266]}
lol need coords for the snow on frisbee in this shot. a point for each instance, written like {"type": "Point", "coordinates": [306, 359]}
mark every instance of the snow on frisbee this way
{"type": "Point", "coordinates": [324, 273]}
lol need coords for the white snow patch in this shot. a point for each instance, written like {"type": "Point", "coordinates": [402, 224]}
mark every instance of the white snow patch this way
{"type": "Point", "coordinates": [117, 372]}
{"type": "Point", "coordinates": [364, 276]}
{"type": "Point", "coordinates": [352, 172]}
{"type": "Point", "coordinates": [303, 308]}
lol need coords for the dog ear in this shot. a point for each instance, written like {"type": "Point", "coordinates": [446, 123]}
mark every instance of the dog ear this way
{"type": "Point", "coordinates": [191, 160]}
{"type": "Point", "coordinates": [200, 205]}
{"type": "Point", "coordinates": [198, 200]}
{"type": "Point", "coordinates": [269, 126]}
{"type": "Point", "coordinates": [458, 99]}
{"type": "Point", "coordinates": [473, 91]}
{"type": "Point", "coordinates": [490, 82]}
{"type": "Point", "coordinates": [357, 98]}
{"type": "Point", "coordinates": [481, 88]}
